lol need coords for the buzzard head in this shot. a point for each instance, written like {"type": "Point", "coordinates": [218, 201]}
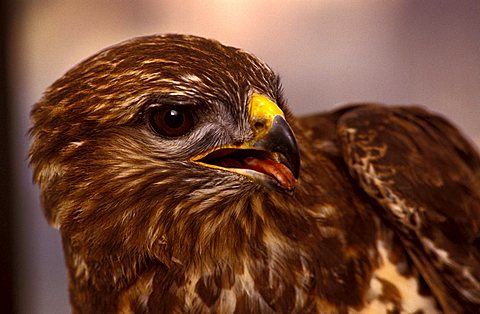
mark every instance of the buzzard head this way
{"type": "Point", "coordinates": [161, 149]}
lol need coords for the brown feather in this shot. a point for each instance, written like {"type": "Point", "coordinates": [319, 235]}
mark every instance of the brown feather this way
{"type": "Point", "coordinates": [146, 230]}
{"type": "Point", "coordinates": [422, 172]}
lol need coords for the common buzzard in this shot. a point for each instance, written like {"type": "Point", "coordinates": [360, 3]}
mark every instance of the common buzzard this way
{"type": "Point", "coordinates": [181, 183]}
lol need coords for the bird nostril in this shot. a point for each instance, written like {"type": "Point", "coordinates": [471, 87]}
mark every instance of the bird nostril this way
{"type": "Point", "coordinates": [259, 125]}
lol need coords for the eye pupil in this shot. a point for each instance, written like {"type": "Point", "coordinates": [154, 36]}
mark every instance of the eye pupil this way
{"type": "Point", "coordinates": [174, 119]}
{"type": "Point", "coordinates": [171, 121]}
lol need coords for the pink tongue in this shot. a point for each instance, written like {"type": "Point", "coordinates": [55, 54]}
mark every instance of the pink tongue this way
{"type": "Point", "coordinates": [274, 169]}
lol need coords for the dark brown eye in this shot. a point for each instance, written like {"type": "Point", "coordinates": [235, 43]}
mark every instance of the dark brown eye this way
{"type": "Point", "coordinates": [171, 121]}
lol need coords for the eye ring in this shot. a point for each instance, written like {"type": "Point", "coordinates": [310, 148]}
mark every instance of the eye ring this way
{"type": "Point", "coordinates": [171, 120]}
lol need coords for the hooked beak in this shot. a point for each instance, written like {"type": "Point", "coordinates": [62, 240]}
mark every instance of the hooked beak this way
{"type": "Point", "coordinates": [271, 157]}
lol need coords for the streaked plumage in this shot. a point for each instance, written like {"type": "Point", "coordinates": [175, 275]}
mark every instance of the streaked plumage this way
{"type": "Point", "coordinates": [169, 165]}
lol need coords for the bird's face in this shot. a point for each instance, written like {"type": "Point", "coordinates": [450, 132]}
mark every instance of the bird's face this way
{"type": "Point", "coordinates": [160, 139]}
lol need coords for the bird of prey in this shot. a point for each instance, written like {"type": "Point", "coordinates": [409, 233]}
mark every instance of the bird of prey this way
{"type": "Point", "coordinates": [181, 183]}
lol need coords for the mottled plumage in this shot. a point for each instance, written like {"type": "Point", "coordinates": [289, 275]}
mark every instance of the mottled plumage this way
{"type": "Point", "coordinates": [181, 183]}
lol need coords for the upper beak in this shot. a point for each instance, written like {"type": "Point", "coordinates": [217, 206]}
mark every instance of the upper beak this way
{"type": "Point", "coordinates": [271, 157]}
{"type": "Point", "coordinates": [274, 133]}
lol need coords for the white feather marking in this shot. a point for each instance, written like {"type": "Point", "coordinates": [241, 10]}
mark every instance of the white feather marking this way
{"type": "Point", "coordinates": [324, 212]}
{"type": "Point", "coordinates": [176, 260]}
{"type": "Point", "coordinates": [440, 253]}
{"type": "Point", "coordinates": [368, 173]}
{"type": "Point", "coordinates": [375, 289]}
{"type": "Point", "coordinates": [189, 289]}
{"type": "Point", "coordinates": [227, 301]}
{"type": "Point", "coordinates": [412, 301]}
{"type": "Point", "coordinates": [244, 283]}
{"type": "Point", "coordinates": [463, 271]}
{"type": "Point", "coordinates": [191, 78]}
{"type": "Point", "coordinates": [145, 295]}
{"type": "Point", "coordinates": [178, 93]}
{"type": "Point", "coordinates": [80, 266]}
{"type": "Point", "coordinates": [150, 61]}
{"type": "Point", "coordinates": [76, 144]}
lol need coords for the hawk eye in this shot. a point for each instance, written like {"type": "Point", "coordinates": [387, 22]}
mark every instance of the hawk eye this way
{"type": "Point", "coordinates": [171, 121]}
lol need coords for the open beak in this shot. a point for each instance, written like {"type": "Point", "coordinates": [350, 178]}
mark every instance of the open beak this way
{"type": "Point", "coordinates": [271, 157]}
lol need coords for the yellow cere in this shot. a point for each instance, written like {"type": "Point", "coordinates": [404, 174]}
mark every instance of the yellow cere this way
{"type": "Point", "coordinates": [263, 110]}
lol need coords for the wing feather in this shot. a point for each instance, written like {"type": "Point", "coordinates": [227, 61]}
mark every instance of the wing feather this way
{"type": "Point", "coordinates": [425, 175]}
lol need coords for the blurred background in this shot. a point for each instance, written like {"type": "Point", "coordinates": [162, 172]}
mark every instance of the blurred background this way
{"type": "Point", "coordinates": [328, 52]}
